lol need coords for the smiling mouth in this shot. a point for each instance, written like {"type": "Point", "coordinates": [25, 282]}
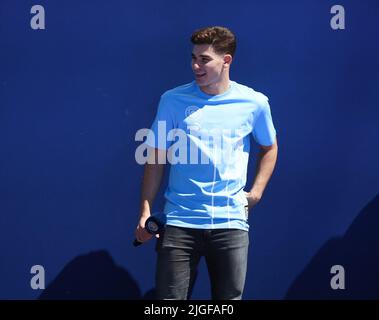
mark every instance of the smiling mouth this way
{"type": "Point", "coordinates": [200, 75]}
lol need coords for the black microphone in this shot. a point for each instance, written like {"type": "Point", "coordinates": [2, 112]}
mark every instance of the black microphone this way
{"type": "Point", "coordinates": [153, 225]}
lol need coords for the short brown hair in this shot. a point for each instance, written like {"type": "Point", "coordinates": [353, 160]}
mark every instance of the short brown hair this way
{"type": "Point", "coordinates": [222, 39]}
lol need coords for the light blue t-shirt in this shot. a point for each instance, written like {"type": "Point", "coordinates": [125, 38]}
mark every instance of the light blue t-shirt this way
{"type": "Point", "coordinates": [208, 141]}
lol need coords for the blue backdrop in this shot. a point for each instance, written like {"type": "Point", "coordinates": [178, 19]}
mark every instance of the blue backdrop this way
{"type": "Point", "coordinates": [72, 97]}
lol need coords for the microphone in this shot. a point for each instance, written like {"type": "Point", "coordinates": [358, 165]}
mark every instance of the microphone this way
{"type": "Point", "coordinates": [153, 225]}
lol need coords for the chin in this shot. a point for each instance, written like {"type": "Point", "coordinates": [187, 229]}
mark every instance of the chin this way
{"type": "Point", "coordinates": [201, 82]}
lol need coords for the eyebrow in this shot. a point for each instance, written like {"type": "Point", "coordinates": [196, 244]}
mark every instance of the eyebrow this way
{"type": "Point", "coordinates": [202, 56]}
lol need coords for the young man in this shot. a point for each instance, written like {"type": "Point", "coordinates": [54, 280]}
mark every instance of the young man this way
{"type": "Point", "coordinates": [206, 205]}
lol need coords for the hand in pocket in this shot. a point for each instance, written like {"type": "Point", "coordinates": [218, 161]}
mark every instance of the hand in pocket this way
{"type": "Point", "coordinates": [252, 199]}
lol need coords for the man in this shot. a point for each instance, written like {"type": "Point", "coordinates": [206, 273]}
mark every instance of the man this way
{"type": "Point", "coordinates": [207, 207]}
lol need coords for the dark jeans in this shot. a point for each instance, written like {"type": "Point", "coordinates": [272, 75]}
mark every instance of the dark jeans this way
{"type": "Point", "coordinates": [179, 251]}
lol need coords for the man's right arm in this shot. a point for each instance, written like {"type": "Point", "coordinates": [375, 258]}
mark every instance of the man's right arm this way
{"type": "Point", "coordinates": [152, 178]}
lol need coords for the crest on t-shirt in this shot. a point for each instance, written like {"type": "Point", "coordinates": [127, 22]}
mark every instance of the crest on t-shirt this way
{"type": "Point", "coordinates": [190, 110]}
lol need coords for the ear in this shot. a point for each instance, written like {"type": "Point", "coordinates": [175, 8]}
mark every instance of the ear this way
{"type": "Point", "coordinates": [228, 60]}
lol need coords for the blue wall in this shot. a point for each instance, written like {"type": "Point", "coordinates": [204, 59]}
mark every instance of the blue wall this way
{"type": "Point", "coordinates": [73, 95]}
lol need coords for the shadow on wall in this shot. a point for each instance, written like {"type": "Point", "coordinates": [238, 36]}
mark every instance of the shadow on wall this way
{"type": "Point", "coordinates": [92, 276]}
{"type": "Point", "coordinates": [357, 251]}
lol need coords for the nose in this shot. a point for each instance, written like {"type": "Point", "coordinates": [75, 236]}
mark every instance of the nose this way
{"type": "Point", "coordinates": [195, 66]}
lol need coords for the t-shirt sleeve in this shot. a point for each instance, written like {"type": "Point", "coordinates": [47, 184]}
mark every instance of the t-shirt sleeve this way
{"type": "Point", "coordinates": [264, 132]}
{"type": "Point", "coordinates": [163, 123]}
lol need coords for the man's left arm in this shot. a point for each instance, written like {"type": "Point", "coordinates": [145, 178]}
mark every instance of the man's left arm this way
{"type": "Point", "coordinates": [265, 167]}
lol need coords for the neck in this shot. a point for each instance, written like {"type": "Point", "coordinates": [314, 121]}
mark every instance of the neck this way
{"type": "Point", "coordinates": [217, 88]}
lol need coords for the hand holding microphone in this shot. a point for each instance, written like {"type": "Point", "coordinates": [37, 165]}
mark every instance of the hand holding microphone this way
{"type": "Point", "coordinates": [153, 225]}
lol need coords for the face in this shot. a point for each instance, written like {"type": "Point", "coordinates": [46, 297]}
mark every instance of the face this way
{"type": "Point", "coordinates": [209, 67]}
